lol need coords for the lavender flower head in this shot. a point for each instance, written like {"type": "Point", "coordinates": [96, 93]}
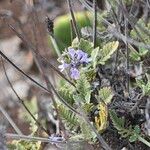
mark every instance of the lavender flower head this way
{"type": "Point", "coordinates": [75, 74]}
{"type": "Point", "coordinates": [78, 55]}
{"type": "Point", "coordinates": [63, 66]}
{"type": "Point", "coordinates": [77, 58]}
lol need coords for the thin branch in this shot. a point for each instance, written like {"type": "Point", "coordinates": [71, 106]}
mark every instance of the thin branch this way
{"type": "Point", "coordinates": [147, 116]}
{"type": "Point", "coordinates": [148, 3]}
{"type": "Point", "coordinates": [20, 100]}
{"type": "Point", "coordinates": [127, 55]}
{"type": "Point", "coordinates": [73, 20]}
{"type": "Point", "coordinates": [115, 32]}
{"type": "Point", "coordinates": [43, 72]}
{"type": "Point", "coordinates": [94, 22]}
{"type": "Point", "coordinates": [31, 138]}
{"type": "Point", "coordinates": [55, 92]}
{"type": "Point", "coordinates": [127, 17]}
{"type": "Point", "coordinates": [100, 138]}
{"type": "Point", "coordinates": [22, 72]}
{"type": "Point", "coordinates": [10, 120]}
{"type": "Point", "coordinates": [38, 84]}
{"type": "Point", "coordinates": [29, 44]}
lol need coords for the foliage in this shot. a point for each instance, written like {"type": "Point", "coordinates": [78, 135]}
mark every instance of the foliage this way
{"type": "Point", "coordinates": [137, 56]}
{"type": "Point", "coordinates": [24, 145]}
{"type": "Point", "coordinates": [107, 51]}
{"type": "Point", "coordinates": [106, 94]}
{"type": "Point", "coordinates": [144, 86]}
{"type": "Point", "coordinates": [133, 133]}
{"type": "Point", "coordinates": [94, 56]}
{"type": "Point", "coordinates": [86, 131]}
{"type": "Point", "coordinates": [103, 73]}
{"type": "Point", "coordinates": [101, 119]}
{"type": "Point", "coordinates": [100, 56]}
{"type": "Point", "coordinates": [66, 92]}
{"type": "Point", "coordinates": [81, 95]}
{"type": "Point", "coordinates": [70, 119]}
{"type": "Point", "coordinates": [143, 33]}
{"type": "Point", "coordinates": [83, 86]}
{"type": "Point", "coordinates": [86, 46]}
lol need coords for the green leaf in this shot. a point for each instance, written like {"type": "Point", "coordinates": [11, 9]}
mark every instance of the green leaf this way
{"type": "Point", "coordinates": [87, 132]}
{"type": "Point", "coordinates": [137, 129]}
{"type": "Point", "coordinates": [107, 51]}
{"type": "Point", "coordinates": [133, 138]}
{"type": "Point", "coordinates": [142, 51]}
{"type": "Point", "coordinates": [69, 117]}
{"type": "Point", "coordinates": [33, 125]}
{"type": "Point", "coordinates": [146, 89]}
{"type": "Point", "coordinates": [134, 55]}
{"type": "Point", "coordinates": [84, 89]}
{"type": "Point", "coordinates": [106, 94]}
{"type": "Point", "coordinates": [77, 98]}
{"type": "Point", "coordinates": [86, 46]}
{"type": "Point", "coordinates": [94, 56]}
{"type": "Point", "coordinates": [140, 83]}
{"type": "Point", "coordinates": [66, 92]}
{"type": "Point", "coordinates": [117, 122]}
{"type": "Point", "coordinates": [144, 86]}
{"type": "Point", "coordinates": [87, 107]}
{"type": "Point", "coordinates": [25, 145]}
{"type": "Point", "coordinates": [145, 37]}
{"type": "Point", "coordinates": [90, 73]}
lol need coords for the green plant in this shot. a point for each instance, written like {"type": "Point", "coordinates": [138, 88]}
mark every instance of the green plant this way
{"type": "Point", "coordinates": [100, 68]}
{"type": "Point", "coordinates": [81, 57]}
{"type": "Point", "coordinates": [70, 119]}
{"type": "Point", "coordinates": [145, 86]}
{"type": "Point", "coordinates": [132, 133]}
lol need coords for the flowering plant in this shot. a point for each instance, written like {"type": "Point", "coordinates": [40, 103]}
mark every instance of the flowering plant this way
{"type": "Point", "coordinates": [81, 62]}
{"type": "Point", "coordinates": [91, 91]}
{"type": "Point", "coordinates": [77, 58]}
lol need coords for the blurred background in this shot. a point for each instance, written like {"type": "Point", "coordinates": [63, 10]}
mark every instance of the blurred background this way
{"type": "Point", "coordinates": [26, 17]}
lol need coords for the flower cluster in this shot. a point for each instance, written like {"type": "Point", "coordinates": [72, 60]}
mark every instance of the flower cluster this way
{"type": "Point", "coordinates": [77, 58]}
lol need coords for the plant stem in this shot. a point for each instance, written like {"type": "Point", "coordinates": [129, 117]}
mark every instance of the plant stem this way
{"type": "Point", "coordinates": [30, 45]}
{"type": "Point", "coordinates": [12, 123]}
{"type": "Point", "coordinates": [94, 22]}
{"type": "Point", "coordinates": [73, 20]}
{"type": "Point", "coordinates": [141, 139]}
{"type": "Point", "coordinates": [30, 138]}
{"type": "Point", "coordinates": [21, 101]}
{"type": "Point", "coordinates": [38, 84]}
{"type": "Point", "coordinates": [55, 46]}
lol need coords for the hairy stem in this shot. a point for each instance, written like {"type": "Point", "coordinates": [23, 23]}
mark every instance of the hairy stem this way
{"type": "Point", "coordinates": [144, 141]}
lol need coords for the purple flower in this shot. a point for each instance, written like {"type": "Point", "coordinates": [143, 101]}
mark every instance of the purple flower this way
{"type": "Point", "coordinates": [82, 56]}
{"type": "Point", "coordinates": [63, 66]}
{"type": "Point", "coordinates": [72, 53]}
{"type": "Point", "coordinates": [77, 57]}
{"type": "Point", "coordinates": [74, 73]}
